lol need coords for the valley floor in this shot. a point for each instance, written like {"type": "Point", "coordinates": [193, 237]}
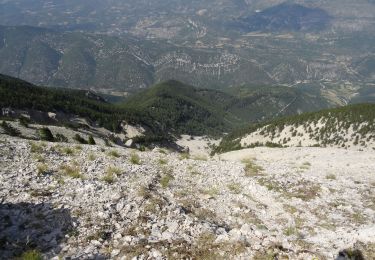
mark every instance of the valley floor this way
{"type": "Point", "coordinates": [87, 202]}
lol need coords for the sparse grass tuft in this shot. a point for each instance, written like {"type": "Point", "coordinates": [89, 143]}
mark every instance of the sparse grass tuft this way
{"type": "Point", "coordinates": [290, 231]}
{"type": "Point", "coordinates": [305, 190]}
{"type": "Point", "coordinates": [78, 147]}
{"type": "Point", "coordinates": [39, 158]}
{"type": "Point", "coordinates": [144, 192]}
{"type": "Point", "coordinates": [36, 148]}
{"type": "Point", "coordinates": [113, 153]}
{"type": "Point", "coordinates": [195, 172]}
{"type": "Point", "coordinates": [92, 157]}
{"type": "Point", "coordinates": [305, 166]}
{"type": "Point", "coordinates": [331, 177]}
{"type": "Point", "coordinates": [32, 255]}
{"type": "Point", "coordinates": [113, 170]}
{"type": "Point", "coordinates": [67, 151]}
{"type": "Point", "coordinates": [200, 157]}
{"type": "Point", "coordinates": [235, 188]}
{"type": "Point", "coordinates": [109, 177]}
{"type": "Point", "coordinates": [166, 178]}
{"type": "Point", "coordinates": [163, 161]}
{"type": "Point", "coordinates": [252, 169]}
{"type": "Point", "coordinates": [135, 159]}
{"type": "Point", "coordinates": [71, 171]}
{"type": "Point", "coordinates": [42, 169]}
{"type": "Point", "coordinates": [163, 151]}
{"type": "Point", "coordinates": [213, 191]}
{"type": "Point", "coordinates": [184, 156]}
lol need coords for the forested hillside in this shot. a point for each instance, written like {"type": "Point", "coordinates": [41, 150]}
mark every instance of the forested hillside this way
{"type": "Point", "coordinates": [349, 126]}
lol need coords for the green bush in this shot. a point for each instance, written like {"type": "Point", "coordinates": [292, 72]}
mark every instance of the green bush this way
{"type": "Point", "coordinates": [91, 140]}
{"type": "Point", "coordinates": [24, 121]}
{"type": "Point", "coordinates": [273, 145]}
{"type": "Point", "coordinates": [32, 255]}
{"type": "Point", "coordinates": [46, 135]}
{"type": "Point", "coordinates": [61, 138]}
{"type": "Point", "coordinates": [80, 139]}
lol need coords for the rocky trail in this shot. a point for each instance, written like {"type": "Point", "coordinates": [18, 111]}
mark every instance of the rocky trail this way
{"type": "Point", "coordinates": [97, 202]}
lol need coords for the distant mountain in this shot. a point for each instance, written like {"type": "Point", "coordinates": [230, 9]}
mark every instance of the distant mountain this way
{"type": "Point", "coordinates": [47, 57]}
{"type": "Point", "coordinates": [117, 65]}
{"type": "Point", "coordinates": [287, 17]}
{"type": "Point", "coordinates": [349, 126]}
{"type": "Point", "coordinates": [78, 60]}
{"type": "Point", "coordinates": [179, 20]}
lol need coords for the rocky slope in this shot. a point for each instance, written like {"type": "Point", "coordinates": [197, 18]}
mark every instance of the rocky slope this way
{"type": "Point", "coordinates": [98, 202]}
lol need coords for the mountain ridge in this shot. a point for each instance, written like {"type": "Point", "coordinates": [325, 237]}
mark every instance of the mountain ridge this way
{"type": "Point", "coordinates": [287, 17]}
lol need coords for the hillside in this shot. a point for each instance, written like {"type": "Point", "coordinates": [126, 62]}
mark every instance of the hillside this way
{"type": "Point", "coordinates": [21, 95]}
{"type": "Point", "coordinates": [182, 109]}
{"type": "Point", "coordinates": [168, 108]}
{"type": "Point", "coordinates": [29, 108]}
{"type": "Point", "coordinates": [264, 103]}
{"type": "Point", "coordinates": [164, 110]}
{"type": "Point", "coordinates": [347, 127]}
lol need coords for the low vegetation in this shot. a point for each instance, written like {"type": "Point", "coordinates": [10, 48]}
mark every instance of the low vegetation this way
{"type": "Point", "coordinates": [61, 138]}
{"type": "Point", "coordinates": [114, 153]}
{"type": "Point", "coordinates": [91, 140]}
{"type": "Point", "coordinates": [72, 171]}
{"type": "Point", "coordinates": [135, 159]}
{"type": "Point", "coordinates": [113, 171]}
{"type": "Point", "coordinates": [235, 188]}
{"type": "Point", "coordinates": [251, 168]}
{"type": "Point", "coordinates": [80, 139]}
{"type": "Point", "coordinates": [92, 157]}
{"type": "Point", "coordinates": [67, 150]}
{"type": "Point", "coordinates": [109, 177]}
{"type": "Point", "coordinates": [36, 147]}
{"type": "Point", "coordinates": [32, 255]}
{"type": "Point", "coordinates": [45, 134]}
{"type": "Point", "coordinates": [42, 169]}
{"type": "Point", "coordinates": [162, 161]}
{"type": "Point", "coordinates": [331, 176]}
{"type": "Point", "coordinates": [200, 157]}
{"type": "Point", "coordinates": [167, 176]}
{"type": "Point", "coordinates": [184, 156]}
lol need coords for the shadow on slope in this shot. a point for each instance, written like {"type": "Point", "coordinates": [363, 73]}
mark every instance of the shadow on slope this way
{"type": "Point", "coordinates": [26, 226]}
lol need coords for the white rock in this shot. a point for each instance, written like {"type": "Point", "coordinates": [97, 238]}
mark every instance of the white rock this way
{"type": "Point", "coordinates": [115, 252]}
{"type": "Point", "coordinates": [172, 227]}
{"type": "Point", "coordinates": [117, 236]}
{"type": "Point", "coordinates": [96, 243]}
